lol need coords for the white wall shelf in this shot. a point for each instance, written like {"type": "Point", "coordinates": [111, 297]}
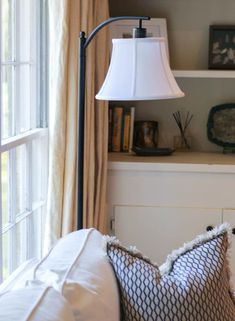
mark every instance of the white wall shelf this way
{"type": "Point", "coordinates": [209, 160]}
{"type": "Point", "coordinates": [204, 73]}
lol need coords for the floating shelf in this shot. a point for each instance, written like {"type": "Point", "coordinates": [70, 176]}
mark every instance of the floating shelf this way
{"type": "Point", "coordinates": [204, 73]}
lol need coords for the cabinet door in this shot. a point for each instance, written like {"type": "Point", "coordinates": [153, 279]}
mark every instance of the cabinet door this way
{"type": "Point", "coordinates": [229, 216]}
{"type": "Point", "coordinates": [156, 231]}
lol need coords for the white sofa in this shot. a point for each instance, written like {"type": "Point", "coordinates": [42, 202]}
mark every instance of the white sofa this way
{"type": "Point", "coordinates": [74, 282]}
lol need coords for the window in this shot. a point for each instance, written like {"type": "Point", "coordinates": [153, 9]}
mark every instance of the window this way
{"type": "Point", "coordinates": [23, 141]}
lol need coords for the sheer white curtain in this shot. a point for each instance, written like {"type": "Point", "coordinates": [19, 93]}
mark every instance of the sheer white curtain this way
{"type": "Point", "coordinates": [66, 19]}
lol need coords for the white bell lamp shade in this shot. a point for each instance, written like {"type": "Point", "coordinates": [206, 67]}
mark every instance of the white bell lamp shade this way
{"type": "Point", "coordinates": [139, 70]}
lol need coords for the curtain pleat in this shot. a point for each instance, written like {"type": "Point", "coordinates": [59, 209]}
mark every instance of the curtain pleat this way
{"type": "Point", "coordinates": [67, 18]}
{"type": "Point", "coordinates": [94, 214]}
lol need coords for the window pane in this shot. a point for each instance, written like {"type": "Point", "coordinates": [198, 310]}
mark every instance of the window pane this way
{"type": "Point", "coordinates": [20, 242]}
{"type": "Point", "coordinates": [39, 169]}
{"type": "Point", "coordinates": [5, 188]}
{"type": "Point", "coordinates": [20, 179]}
{"type": "Point", "coordinates": [35, 233]}
{"type": "Point", "coordinates": [7, 29]}
{"type": "Point", "coordinates": [24, 107]}
{"type": "Point", "coordinates": [5, 254]}
{"type": "Point", "coordinates": [25, 19]}
{"type": "Point", "coordinates": [7, 101]}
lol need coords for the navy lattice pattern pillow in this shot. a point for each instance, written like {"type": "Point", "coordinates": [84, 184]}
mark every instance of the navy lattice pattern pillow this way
{"type": "Point", "coordinates": [193, 284]}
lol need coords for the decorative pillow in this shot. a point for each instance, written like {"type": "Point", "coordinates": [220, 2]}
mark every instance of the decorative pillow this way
{"type": "Point", "coordinates": [78, 267]}
{"type": "Point", "coordinates": [192, 285]}
{"type": "Point", "coordinates": [34, 304]}
{"type": "Point", "coordinates": [18, 279]}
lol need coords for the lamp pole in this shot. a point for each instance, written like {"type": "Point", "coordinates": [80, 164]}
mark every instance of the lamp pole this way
{"type": "Point", "coordinates": [139, 32]}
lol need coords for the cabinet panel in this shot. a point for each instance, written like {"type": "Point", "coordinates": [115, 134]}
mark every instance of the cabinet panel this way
{"type": "Point", "coordinates": [156, 231]}
{"type": "Point", "coordinates": [179, 188]}
{"type": "Point", "coordinates": [229, 216]}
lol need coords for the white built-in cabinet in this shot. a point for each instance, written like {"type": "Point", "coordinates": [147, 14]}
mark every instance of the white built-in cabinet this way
{"type": "Point", "coordinates": [159, 203]}
{"type": "Point", "coordinates": [156, 231]}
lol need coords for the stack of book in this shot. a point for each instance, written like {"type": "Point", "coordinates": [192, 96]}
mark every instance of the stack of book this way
{"type": "Point", "coordinates": [121, 128]}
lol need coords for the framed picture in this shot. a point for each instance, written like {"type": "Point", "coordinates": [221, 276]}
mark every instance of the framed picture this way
{"type": "Point", "coordinates": [155, 28]}
{"type": "Point", "coordinates": [222, 47]}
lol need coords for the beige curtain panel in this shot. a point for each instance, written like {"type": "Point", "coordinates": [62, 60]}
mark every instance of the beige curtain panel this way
{"type": "Point", "coordinates": [67, 18]}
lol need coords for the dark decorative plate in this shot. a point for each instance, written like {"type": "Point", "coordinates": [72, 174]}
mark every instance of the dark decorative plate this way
{"type": "Point", "coordinates": [221, 125]}
{"type": "Point", "coordinates": [152, 151]}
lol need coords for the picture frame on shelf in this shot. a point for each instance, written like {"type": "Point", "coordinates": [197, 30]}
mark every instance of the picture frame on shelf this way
{"type": "Point", "coordinates": [156, 27]}
{"type": "Point", "coordinates": [222, 47]}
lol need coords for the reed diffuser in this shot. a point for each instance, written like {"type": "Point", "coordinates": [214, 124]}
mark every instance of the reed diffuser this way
{"type": "Point", "coordinates": [182, 142]}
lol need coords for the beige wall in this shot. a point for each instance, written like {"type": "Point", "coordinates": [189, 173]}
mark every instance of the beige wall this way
{"type": "Point", "coordinates": [188, 31]}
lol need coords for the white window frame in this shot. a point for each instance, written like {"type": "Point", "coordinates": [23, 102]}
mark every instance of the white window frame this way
{"type": "Point", "coordinates": [27, 138]}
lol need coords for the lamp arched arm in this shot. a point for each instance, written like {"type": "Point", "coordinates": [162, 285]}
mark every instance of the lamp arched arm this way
{"type": "Point", "coordinates": [110, 20]}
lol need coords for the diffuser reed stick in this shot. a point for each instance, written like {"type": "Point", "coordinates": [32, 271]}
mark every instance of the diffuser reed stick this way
{"type": "Point", "coordinates": [183, 124]}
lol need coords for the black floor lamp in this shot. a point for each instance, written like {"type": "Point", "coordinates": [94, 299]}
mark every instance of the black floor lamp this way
{"type": "Point", "coordinates": [139, 70]}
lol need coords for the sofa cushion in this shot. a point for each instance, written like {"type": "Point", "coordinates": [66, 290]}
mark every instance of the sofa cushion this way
{"type": "Point", "coordinates": [78, 267]}
{"type": "Point", "coordinates": [192, 285]}
{"type": "Point", "coordinates": [34, 304]}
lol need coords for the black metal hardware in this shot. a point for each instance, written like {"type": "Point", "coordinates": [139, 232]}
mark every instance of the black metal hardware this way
{"type": "Point", "coordinates": [81, 124]}
{"type": "Point", "coordinates": [106, 22]}
{"type": "Point", "coordinates": [209, 228]}
{"type": "Point", "coordinates": [233, 230]}
{"type": "Point", "coordinates": [139, 32]}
